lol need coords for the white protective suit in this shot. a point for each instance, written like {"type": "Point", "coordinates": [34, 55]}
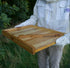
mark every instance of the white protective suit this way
{"type": "Point", "coordinates": [52, 14]}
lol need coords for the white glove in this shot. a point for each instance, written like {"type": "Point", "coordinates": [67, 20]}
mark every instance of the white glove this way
{"type": "Point", "coordinates": [64, 40]}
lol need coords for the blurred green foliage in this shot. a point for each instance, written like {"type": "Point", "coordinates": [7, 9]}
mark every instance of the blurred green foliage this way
{"type": "Point", "coordinates": [4, 20]}
{"type": "Point", "coordinates": [66, 57]}
{"type": "Point", "coordinates": [13, 12]}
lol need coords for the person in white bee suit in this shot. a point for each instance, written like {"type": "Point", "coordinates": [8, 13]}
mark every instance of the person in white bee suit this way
{"type": "Point", "coordinates": [52, 14]}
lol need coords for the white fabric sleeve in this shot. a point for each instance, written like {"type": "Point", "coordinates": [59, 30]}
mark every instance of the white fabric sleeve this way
{"type": "Point", "coordinates": [32, 20]}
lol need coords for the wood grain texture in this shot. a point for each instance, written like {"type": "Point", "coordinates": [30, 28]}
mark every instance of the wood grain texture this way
{"type": "Point", "coordinates": [33, 38]}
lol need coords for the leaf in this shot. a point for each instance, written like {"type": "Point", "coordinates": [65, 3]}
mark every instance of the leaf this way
{"type": "Point", "coordinates": [16, 8]}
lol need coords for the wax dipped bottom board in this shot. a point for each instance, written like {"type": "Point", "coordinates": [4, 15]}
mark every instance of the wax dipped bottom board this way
{"type": "Point", "coordinates": [32, 38]}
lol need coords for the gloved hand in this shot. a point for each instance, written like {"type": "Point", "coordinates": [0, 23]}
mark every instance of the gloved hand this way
{"type": "Point", "coordinates": [62, 41]}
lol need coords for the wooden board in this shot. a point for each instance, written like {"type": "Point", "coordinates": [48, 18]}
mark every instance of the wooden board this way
{"type": "Point", "coordinates": [32, 38]}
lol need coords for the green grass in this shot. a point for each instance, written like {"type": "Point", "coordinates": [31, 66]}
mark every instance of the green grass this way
{"type": "Point", "coordinates": [13, 56]}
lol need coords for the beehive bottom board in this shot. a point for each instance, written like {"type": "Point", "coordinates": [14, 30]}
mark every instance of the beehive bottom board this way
{"type": "Point", "coordinates": [32, 38]}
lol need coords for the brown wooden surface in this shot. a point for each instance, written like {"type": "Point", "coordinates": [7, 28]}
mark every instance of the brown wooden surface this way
{"type": "Point", "coordinates": [32, 38]}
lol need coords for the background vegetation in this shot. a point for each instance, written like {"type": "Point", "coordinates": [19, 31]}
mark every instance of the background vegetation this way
{"type": "Point", "coordinates": [13, 12]}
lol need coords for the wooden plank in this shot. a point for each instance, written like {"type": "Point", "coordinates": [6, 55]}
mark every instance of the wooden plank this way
{"type": "Point", "coordinates": [32, 38]}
